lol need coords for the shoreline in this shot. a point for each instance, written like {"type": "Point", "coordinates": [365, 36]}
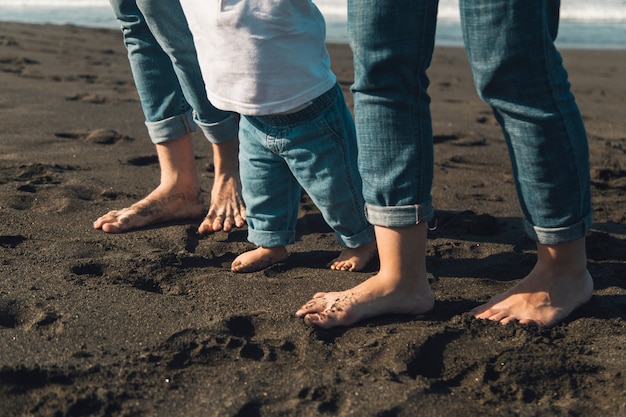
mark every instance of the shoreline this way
{"type": "Point", "coordinates": [577, 34]}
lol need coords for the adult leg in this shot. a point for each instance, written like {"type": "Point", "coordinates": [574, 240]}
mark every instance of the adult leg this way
{"type": "Point", "coordinates": [167, 22]}
{"type": "Point", "coordinates": [166, 73]}
{"type": "Point", "coordinates": [169, 125]}
{"type": "Point", "coordinates": [393, 42]}
{"type": "Point", "coordinates": [519, 72]}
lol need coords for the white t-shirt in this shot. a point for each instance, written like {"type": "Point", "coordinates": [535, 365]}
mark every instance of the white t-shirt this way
{"type": "Point", "coordinates": [260, 57]}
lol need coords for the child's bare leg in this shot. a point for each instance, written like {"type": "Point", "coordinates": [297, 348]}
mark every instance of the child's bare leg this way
{"type": "Point", "coordinates": [259, 258]}
{"type": "Point", "coordinates": [354, 259]}
{"type": "Point", "coordinates": [400, 287]}
{"type": "Point", "coordinates": [177, 196]}
{"type": "Point", "coordinates": [558, 284]}
{"type": "Point", "coordinates": [227, 209]}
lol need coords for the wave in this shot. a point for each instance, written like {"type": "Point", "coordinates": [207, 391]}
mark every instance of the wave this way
{"type": "Point", "coordinates": [597, 25]}
{"type": "Point", "coordinates": [576, 10]}
{"type": "Point", "coordinates": [335, 10]}
{"type": "Point", "coordinates": [579, 10]}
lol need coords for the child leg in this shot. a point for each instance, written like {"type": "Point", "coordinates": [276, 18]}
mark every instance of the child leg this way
{"type": "Point", "coordinates": [327, 144]}
{"type": "Point", "coordinates": [271, 195]}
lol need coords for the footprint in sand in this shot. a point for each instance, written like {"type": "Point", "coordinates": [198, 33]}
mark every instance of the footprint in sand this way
{"type": "Point", "coordinates": [234, 338]}
{"type": "Point", "coordinates": [11, 241]}
{"type": "Point", "coordinates": [87, 98]}
{"type": "Point", "coordinates": [15, 64]}
{"type": "Point", "coordinates": [605, 178]}
{"type": "Point", "coordinates": [27, 316]}
{"type": "Point", "coordinates": [31, 177]}
{"type": "Point", "coordinates": [98, 136]}
{"type": "Point", "coordinates": [8, 41]}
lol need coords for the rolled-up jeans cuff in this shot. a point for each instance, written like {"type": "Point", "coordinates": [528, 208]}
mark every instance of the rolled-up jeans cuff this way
{"type": "Point", "coordinates": [219, 132]}
{"type": "Point", "coordinates": [171, 128]}
{"type": "Point", "coordinates": [359, 239]}
{"type": "Point", "coordinates": [399, 216]}
{"type": "Point", "coordinates": [271, 239]}
{"type": "Point", "coordinates": [556, 235]}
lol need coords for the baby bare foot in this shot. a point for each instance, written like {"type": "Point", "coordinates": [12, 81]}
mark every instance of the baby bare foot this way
{"type": "Point", "coordinates": [368, 299]}
{"type": "Point", "coordinates": [227, 209]}
{"type": "Point", "coordinates": [259, 258]}
{"type": "Point", "coordinates": [354, 259]}
{"type": "Point", "coordinates": [558, 284]}
{"type": "Point", "coordinates": [158, 207]}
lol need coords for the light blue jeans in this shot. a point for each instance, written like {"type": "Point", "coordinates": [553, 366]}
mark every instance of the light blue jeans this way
{"type": "Point", "coordinates": [314, 149]}
{"type": "Point", "coordinates": [517, 70]}
{"type": "Point", "coordinates": [166, 72]}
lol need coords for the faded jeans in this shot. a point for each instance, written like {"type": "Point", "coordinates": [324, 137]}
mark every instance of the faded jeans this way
{"type": "Point", "coordinates": [313, 148]}
{"type": "Point", "coordinates": [517, 70]}
{"type": "Point", "coordinates": [166, 72]}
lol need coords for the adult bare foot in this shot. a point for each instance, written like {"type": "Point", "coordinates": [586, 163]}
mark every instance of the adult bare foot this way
{"type": "Point", "coordinates": [371, 298]}
{"type": "Point", "coordinates": [558, 284]}
{"type": "Point", "coordinates": [400, 287]}
{"type": "Point", "coordinates": [176, 198]}
{"type": "Point", "coordinates": [354, 259]}
{"type": "Point", "coordinates": [227, 209]}
{"type": "Point", "coordinates": [158, 207]}
{"type": "Point", "coordinates": [259, 258]}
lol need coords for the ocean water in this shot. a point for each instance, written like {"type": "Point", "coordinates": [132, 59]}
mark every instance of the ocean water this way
{"type": "Point", "coordinates": [584, 24]}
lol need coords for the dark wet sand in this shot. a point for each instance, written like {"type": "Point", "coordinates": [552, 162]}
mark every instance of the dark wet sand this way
{"type": "Point", "coordinates": [153, 323]}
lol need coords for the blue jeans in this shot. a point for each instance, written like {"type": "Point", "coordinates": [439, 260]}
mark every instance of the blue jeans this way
{"type": "Point", "coordinates": [313, 148]}
{"type": "Point", "coordinates": [517, 70]}
{"type": "Point", "coordinates": [166, 72]}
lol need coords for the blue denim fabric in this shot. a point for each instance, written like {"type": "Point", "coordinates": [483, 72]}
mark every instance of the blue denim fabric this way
{"type": "Point", "coordinates": [166, 72]}
{"type": "Point", "coordinates": [519, 72]}
{"type": "Point", "coordinates": [313, 148]}
{"type": "Point", "coordinates": [393, 43]}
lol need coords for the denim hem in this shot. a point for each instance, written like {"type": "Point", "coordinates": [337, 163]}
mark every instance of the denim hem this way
{"type": "Point", "coordinates": [271, 239]}
{"type": "Point", "coordinates": [219, 132]}
{"type": "Point", "coordinates": [399, 216]}
{"type": "Point", "coordinates": [171, 128]}
{"type": "Point", "coordinates": [556, 235]}
{"type": "Point", "coordinates": [359, 239]}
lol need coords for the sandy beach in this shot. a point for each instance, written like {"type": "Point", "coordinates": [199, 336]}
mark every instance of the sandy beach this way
{"type": "Point", "coordinates": [153, 323]}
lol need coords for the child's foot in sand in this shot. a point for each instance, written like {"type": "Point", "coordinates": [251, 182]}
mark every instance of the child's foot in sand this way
{"type": "Point", "coordinates": [158, 207]}
{"type": "Point", "coordinates": [354, 259]}
{"type": "Point", "coordinates": [368, 299]}
{"type": "Point", "coordinates": [259, 258]}
{"type": "Point", "coordinates": [558, 284]}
